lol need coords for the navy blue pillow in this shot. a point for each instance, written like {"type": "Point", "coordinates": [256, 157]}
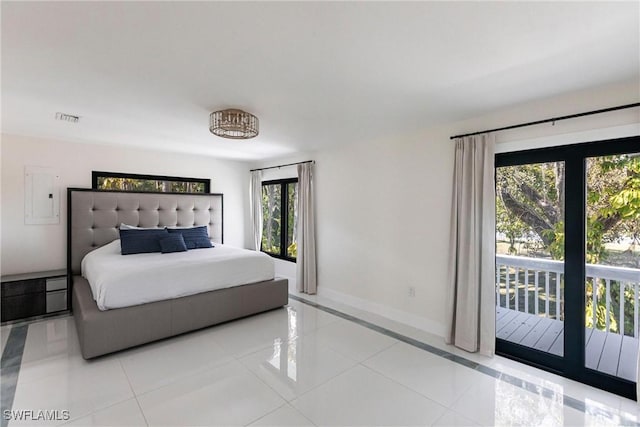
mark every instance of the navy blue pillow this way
{"type": "Point", "coordinates": [196, 237]}
{"type": "Point", "coordinates": [141, 241]}
{"type": "Point", "coordinates": [173, 243]}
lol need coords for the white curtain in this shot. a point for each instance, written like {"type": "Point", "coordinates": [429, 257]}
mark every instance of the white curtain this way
{"type": "Point", "coordinates": [255, 207]}
{"type": "Point", "coordinates": [471, 294]}
{"type": "Point", "coordinates": [306, 258]}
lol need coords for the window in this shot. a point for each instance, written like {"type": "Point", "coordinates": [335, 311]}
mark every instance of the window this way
{"type": "Point", "coordinates": [279, 218]}
{"type": "Point", "coordinates": [148, 183]}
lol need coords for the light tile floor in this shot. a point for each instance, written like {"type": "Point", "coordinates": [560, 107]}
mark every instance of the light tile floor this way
{"type": "Point", "coordinates": [294, 366]}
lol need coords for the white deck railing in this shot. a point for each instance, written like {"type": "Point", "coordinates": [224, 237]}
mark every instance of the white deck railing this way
{"type": "Point", "coordinates": [550, 273]}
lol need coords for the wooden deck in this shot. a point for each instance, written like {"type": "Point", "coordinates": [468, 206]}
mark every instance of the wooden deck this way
{"type": "Point", "coordinates": [606, 352]}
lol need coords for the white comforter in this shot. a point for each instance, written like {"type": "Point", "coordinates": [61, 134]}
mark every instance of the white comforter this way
{"type": "Point", "coordinates": [124, 280]}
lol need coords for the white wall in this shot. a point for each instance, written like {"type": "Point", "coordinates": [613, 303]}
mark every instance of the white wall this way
{"type": "Point", "coordinates": [383, 207]}
{"type": "Point", "coordinates": [28, 248]}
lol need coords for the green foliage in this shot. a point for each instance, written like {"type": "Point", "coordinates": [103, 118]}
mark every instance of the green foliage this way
{"type": "Point", "coordinates": [595, 243]}
{"type": "Point", "coordinates": [601, 309]}
{"type": "Point", "coordinates": [292, 250]}
{"type": "Point", "coordinates": [292, 195]}
{"type": "Point", "coordinates": [613, 204]}
{"type": "Point", "coordinates": [134, 184]}
{"type": "Point", "coordinates": [616, 209]}
{"type": "Point", "coordinates": [271, 218]}
{"type": "Point", "coordinates": [601, 312]}
{"type": "Point", "coordinates": [510, 225]}
{"type": "Point", "coordinates": [272, 226]}
{"type": "Point", "coordinates": [535, 212]}
{"type": "Point", "coordinates": [556, 236]}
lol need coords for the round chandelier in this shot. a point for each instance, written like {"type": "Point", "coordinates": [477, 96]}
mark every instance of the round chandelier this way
{"type": "Point", "coordinates": [233, 124]}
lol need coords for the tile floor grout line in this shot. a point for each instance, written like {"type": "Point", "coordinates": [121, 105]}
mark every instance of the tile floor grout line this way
{"type": "Point", "coordinates": [406, 387]}
{"type": "Point", "coordinates": [135, 396]}
{"type": "Point", "coordinates": [238, 360]}
{"type": "Point", "coordinates": [569, 401]}
{"type": "Point", "coordinates": [269, 386]}
{"type": "Point", "coordinates": [474, 423]}
{"type": "Point", "coordinates": [458, 398]}
{"type": "Point", "coordinates": [351, 357]}
{"type": "Point", "coordinates": [286, 403]}
{"type": "Point", "coordinates": [451, 408]}
{"type": "Point", "coordinates": [10, 364]}
{"type": "Point", "coordinates": [320, 384]}
{"type": "Point", "coordinates": [355, 363]}
{"type": "Point", "coordinates": [378, 352]}
{"type": "Point", "coordinates": [186, 376]}
{"type": "Point", "coordinates": [303, 415]}
{"type": "Point", "coordinates": [296, 397]}
{"type": "Point", "coordinates": [73, 420]}
{"type": "Point", "coordinates": [268, 413]}
{"type": "Point", "coordinates": [252, 352]}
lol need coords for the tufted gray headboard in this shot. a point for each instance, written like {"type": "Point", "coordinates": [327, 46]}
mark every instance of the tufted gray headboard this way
{"type": "Point", "coordinates": [94, 215]}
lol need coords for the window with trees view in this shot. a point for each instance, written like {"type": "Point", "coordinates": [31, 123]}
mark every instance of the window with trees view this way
{"type": "Point", "coordinates": [148, 183]}
{"type": "Point", "coordinates": [279, 218]}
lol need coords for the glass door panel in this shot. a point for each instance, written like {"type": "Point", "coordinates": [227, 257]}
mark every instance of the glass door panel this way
{"type": "Point", "coordinates": [292, 219]}
{"type": "Point", "coordinates": [271, 227]}
{"type": "Point", "coordinates": [530, 256]}
{"type": "Point", "coordinates": [612, 269]}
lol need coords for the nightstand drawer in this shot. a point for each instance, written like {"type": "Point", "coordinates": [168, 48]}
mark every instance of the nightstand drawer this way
{"type": "Point", "coordinates": [21, 306]}
{"type": "Point", "coordinates": [23, 287]}
{"type": "Point", "coordinates": [56, 284]}
{"type": "Point", "coordinates": [56, 301]}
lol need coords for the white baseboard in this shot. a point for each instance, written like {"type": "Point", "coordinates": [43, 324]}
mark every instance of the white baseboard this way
{"type": "Point", "coordinates": [394, 314]}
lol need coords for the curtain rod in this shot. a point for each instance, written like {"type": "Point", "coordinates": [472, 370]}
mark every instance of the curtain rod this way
{"type": "Point", "coordinates": [281, 166]}
{"type": "Point", "coordinates": [551, 120]}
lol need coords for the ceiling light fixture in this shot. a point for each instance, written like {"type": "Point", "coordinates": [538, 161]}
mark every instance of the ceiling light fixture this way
{"type": "Point", "coordinates": [233, 124]}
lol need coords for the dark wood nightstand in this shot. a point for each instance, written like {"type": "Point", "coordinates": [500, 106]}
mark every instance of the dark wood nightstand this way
{"type": "Point", "coordinates": [30, 295]}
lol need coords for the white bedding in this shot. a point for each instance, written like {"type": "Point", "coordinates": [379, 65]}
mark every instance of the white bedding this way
{"type": "Point", "coordinates": [124, 280]}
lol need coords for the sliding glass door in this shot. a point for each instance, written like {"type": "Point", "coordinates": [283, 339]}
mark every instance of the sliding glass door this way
{"type": "Point", "coordinates": [568, 260]}
{"type": "Point", "coordinates": [530, 256]}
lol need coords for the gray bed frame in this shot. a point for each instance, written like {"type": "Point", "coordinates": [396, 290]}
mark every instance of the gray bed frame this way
{"type": "Point", "coordinates": [93, 218]}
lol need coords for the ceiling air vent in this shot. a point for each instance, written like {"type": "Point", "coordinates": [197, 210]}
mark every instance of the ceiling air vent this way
{"type": "Point", "coordinates": [67, 118]}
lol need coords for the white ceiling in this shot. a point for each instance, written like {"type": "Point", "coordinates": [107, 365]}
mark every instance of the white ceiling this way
{"type": "Point", "coordinates": [148, 73]}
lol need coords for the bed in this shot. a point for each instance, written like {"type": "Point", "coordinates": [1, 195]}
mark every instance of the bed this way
{"type": "Point", "coordinates": [93, 220]}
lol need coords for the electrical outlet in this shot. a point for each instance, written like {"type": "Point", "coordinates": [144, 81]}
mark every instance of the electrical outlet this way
{"type": "Point", "coordinates": [412, 291]}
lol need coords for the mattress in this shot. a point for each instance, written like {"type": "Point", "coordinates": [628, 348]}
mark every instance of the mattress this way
{"type": "Point", "coordinates": [118, 280]}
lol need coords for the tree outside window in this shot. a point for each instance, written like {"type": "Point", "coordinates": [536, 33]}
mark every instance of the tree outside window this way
{"type": "Point", "coordinates": [279, 213]}
{"type": "Point", "coordinates": [148, 183]}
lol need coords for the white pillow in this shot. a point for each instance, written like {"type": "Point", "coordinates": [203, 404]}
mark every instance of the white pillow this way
{"type": "Point", "coordinates": [124, 226]}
